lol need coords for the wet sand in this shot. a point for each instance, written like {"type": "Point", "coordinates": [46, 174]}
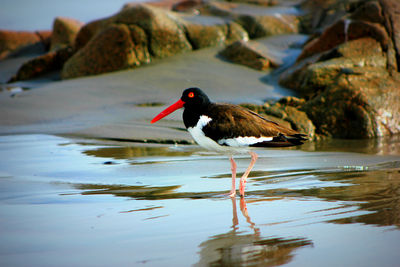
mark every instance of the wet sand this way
{"type": "Point", "coordinates": [86, 202]}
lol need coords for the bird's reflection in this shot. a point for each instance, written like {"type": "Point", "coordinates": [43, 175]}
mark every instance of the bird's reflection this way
{"type": "Point", "coordinates": [237, 248]}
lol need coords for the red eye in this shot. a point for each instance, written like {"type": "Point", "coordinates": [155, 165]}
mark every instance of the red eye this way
{"type": "Point", "coordinates": [191, 95]}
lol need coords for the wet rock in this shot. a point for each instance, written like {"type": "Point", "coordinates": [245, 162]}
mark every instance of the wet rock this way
{"type": "Point", "coordinates": [343, 31]}
{"type": "Point", "coordinates": [165, 32]}
{"type": "Point", "coordinates": [260, 26]}
{"type": "Point", "coordinates": [320, 14]}
{"type": "Point", "coordinates": [10, 41]}
{"type": "Point", "coordinates": [351, 94]}
{"type": "Point", "coordinates": [143, 31]}
{"type": "Point", "coordinates": [235, 32]}
{"type": "Point", "coordinates": [201, 36]}
{"type": "Point", "coordinates": [41, 65]}
{"type": "Point", "coordinates": [362, 105]}
{"type": "Point", "coordinates": [110, 50]}
{"type": "Point", "coordinates": [64, 32]}
{"type": "Point", "coordinates": [391, 14]}
{"type": "Point", "coordinates": [370, 11]}
{"type": "Point", "coordinates": [89, 30]}
{"type": "Point", "coordinates": [313, 74]}
{"type": "Point", "coordinates": [251, 55]}
{"type": "Point", "coordinates": [349, 74]}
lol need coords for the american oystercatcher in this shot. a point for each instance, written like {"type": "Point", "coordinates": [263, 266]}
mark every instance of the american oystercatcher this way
{"type": "Point", "coordinates": [230, 129]}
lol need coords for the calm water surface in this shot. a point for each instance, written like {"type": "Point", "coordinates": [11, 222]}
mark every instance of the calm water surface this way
{"type": "Point", "coordinates": [74, 202]}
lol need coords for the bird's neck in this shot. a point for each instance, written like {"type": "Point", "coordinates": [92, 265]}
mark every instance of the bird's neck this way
{"type": "Point", "coordinates": [191, 115]}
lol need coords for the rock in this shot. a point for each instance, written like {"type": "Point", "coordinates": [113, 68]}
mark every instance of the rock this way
{"type": "Point", "coordinates": [251, 55]}
{"type": "Point", "coordinates": [89, 30]}
{"type": "Point", "coordinates": [369, 11]}
{"type": "Point", "coordinates": [320, 14]}
{"type": "Point", "coordinates": [339, 33]}
{"type": "Point", "coordinates": [110, 50]}
{"type": "Point", "coordinates": [260, 26]}
{"type": "Point", "coordinates": [64, 32]}
{"type": "Point", "coordinates": [311, 75]}
{"type": "Point", "coordinates": [164, 30]}
{"type": "Point", "coordinates": [140, 44]}
{"type": "Point", "coordinates": [10, 41]}
{"type": "Point", "coordinates": [38, 66]}
{"type": "Point", "coordinates": [391, 14]}
{"type": "Point", "coordinates": [362, 105]}
{"type": "Point", "coordinates": [235, 32]}
{"type": "Point", "coordinates": [165, 34]}
{"type": "Point", "coordinates": [349, 74]}
{"type": "Point", "coordinates": [201, 36]}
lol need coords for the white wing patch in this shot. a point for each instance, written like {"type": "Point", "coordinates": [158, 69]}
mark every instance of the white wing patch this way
{"type": "Point", "coordinates": [244, 141]}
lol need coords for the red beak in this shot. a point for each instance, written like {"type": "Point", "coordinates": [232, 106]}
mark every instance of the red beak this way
{"type": "Point", "coordinates": [179, 104]}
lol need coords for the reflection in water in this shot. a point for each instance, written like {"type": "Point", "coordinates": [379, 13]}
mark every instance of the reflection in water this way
{"type": "Point", "coordinates": [376, 191]}
{"type": "Point", "coordinates": [389, 145]}
{"type": "Point", "coordinates": [238, 249]}
{"type": "Point", "coordinates": [135, 152]}
{"type": "Point", "coordinates": [143, 192]}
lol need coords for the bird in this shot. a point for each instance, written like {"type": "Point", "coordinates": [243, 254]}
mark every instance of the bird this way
{"type": "Point", "coordinates": [230, 129]}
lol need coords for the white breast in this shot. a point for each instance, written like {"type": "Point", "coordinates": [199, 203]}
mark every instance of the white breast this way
{"type": "Point", "coordinates": [199, 136]}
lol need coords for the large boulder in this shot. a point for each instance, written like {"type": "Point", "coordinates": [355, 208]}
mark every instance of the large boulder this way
{"type": "Point", "coordinates": [110, 50]}
{"type": "Point", "coordinates": [313, 74]}
{"type": "Point", "coordinates": [165, 35]}
{"type": "Point", "coordinates": [359, 105]}
{"type": "Point", "coordinates": [349, 73]}
{"type": "Point", "coordinates": [64, 32]}
{"type": "Point", "coordinates": [128, 39]}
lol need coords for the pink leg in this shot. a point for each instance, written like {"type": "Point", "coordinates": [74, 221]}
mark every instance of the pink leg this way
{"type": "Point", "coordinates": [232, 193]}
{"type": "Point", "coordinates": [244, 177]}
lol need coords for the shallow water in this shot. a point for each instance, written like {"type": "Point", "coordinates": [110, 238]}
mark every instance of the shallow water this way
{"type": "Point", "coordinates": [71, 202]}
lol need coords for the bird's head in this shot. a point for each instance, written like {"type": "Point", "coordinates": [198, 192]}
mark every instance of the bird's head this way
{"type": "Point", "coordinates": [193, 98]}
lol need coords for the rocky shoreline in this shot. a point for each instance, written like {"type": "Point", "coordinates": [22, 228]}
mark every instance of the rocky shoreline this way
{"type": "Point", "coordinates": [346, 75]}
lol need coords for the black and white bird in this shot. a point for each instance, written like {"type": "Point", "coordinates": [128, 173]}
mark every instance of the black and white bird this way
{"type": "Point", "coordinates": [230, 129]}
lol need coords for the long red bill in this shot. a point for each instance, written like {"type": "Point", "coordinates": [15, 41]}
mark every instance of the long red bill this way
{"type": "Point", "coordinates": [177, 105]}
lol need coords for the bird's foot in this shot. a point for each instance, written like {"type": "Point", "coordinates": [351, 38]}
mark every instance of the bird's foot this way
{"type": "Point", "coordinates": [241, 188]}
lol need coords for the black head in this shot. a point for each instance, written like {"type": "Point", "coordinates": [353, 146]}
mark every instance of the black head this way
{"type": "Point", "coordinates": [193, 100]}
{"type": "Point", "coordinates": [194, 97]}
